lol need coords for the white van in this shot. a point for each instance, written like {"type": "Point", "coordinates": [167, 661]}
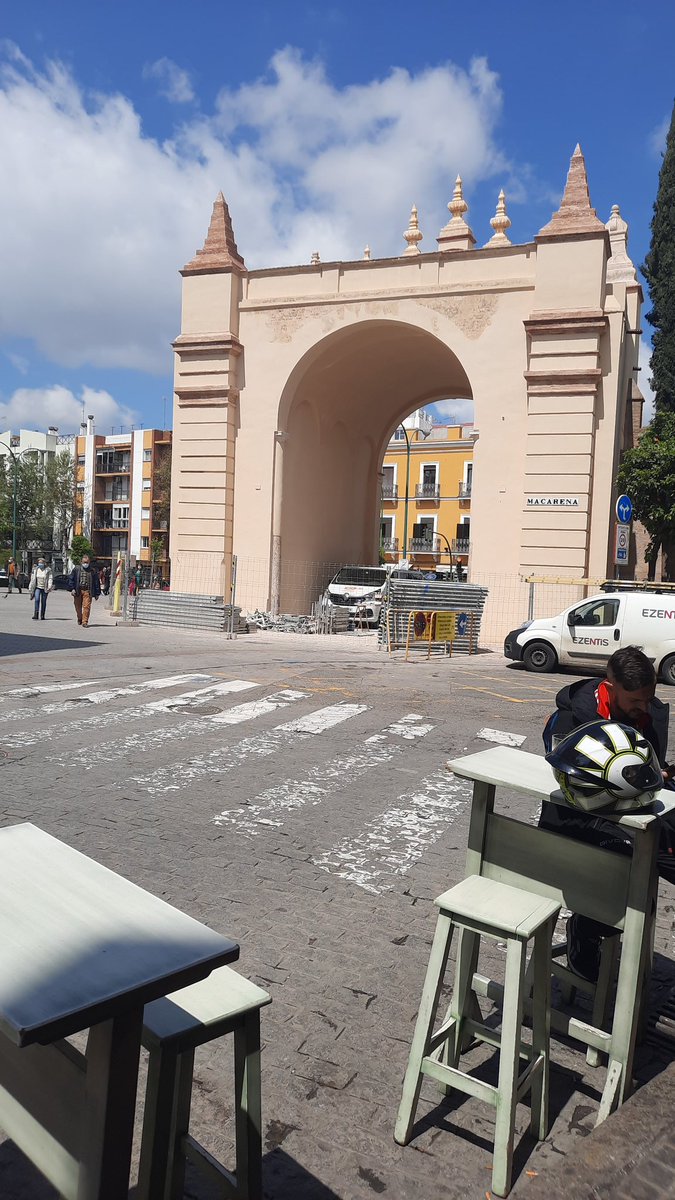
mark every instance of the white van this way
{"type": "Point", "coordinates": [587, 633]}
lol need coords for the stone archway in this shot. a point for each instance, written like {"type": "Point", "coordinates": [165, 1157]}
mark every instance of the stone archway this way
{"type": "Point", "coordinates": [336, 413]}
{"type": "Point", "coordinates": [288, 381]}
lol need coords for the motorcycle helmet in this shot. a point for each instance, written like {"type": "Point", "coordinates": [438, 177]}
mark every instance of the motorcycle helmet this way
{"type": "Point", "coordinates": [606, 766]}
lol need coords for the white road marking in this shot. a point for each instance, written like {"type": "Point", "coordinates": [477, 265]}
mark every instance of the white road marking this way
{"type": "Point", "coordinates": [324, 718]}
{"type": "Point", "coordinates": [144, 741]}
{"type": "Point", "coordinates": [133, 689]}
{"type": "Point", "coordinates": [270, 806]}
{"type": "Point", "coordinates": [216, 689]}
{"type": "Point", "coordinates": [501, 737]}
{"type": "Point", "coordinates": [409, 727]}
{"type": "Point", "coordinates": [42, 689]}
{"type": "Point", "coordinates": [256, 708]}
{"type": "Point", "coordinates": [394, 840]}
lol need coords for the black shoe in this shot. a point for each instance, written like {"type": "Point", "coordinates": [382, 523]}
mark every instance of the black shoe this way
{"type": "Point", "coordinates": [35, 617]}
{"type": "Point", "coordinates": [42, 617]}
{"type": "Point", "coordinates": [583, 950]}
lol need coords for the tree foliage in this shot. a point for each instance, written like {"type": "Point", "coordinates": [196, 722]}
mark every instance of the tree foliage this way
{"type": "Point", "coordinates": [162, 485]}
{"type": "Point", "coordinates": [647, 475]}
{"type": "Point", "coordinates": [659, 271]}
{"type": "Point", "coordinates": [80, 546]}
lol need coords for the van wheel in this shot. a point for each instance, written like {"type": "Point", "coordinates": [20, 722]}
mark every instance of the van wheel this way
{"type": "Point", "coordinates": [668, 670]}
{"type": "Point", "coordinates": [539, 656]}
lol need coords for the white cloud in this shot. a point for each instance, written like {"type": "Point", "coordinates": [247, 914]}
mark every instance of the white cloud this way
{"type": "Point", "coordinates": [38, 408]}
{"type": "Point", "coordinates": [643, 381]}
{"type": "Point", "coordinates": [452, 412]}
{"type": "Point", "coordinates": [96, 218]}
{"type": "Point", "coordinates": [174, 82]}
{"type": "Point", "coordinates": [657, 137]}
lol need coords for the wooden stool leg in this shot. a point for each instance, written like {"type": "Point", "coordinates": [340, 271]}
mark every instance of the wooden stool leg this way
{"type": "Point", "coordinates": [248, 1108]}
{"type": "Point", "coordinates": [463, 1003]}
{"type": "Point", "coordinates": [184, 1077]}
{"type": "Point", "coordinates": [159, 1138]}
{"type": "Point", "coordinates": [509, 1061]}
{"type": "Point", "coordinates": [412, 1082]}
{"type": "Point", "coordinates": [541, 1028]}
{"type": "Point", "coordinates": [608, 955]}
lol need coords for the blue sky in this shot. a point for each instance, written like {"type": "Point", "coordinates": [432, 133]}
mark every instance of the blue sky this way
{"type": "Point", "coordinates": [322, 124]}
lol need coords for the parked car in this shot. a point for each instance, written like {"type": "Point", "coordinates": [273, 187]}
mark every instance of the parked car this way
{"type": "Point", "coordinates": [22, 579]}
{"type": "Point", "coordinates": [61, 582]}
{"type": "Point", "coordinates": [359, 589]}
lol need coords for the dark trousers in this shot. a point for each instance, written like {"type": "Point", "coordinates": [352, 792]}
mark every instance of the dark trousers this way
{"type": "Point", "coordinates": [40, 599]}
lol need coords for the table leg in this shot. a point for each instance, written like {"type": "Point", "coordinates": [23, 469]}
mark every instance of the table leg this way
{"type": "Point", "coordinates": [634, 962]}
{"type": "Point", "coordinates": [113, 1051]}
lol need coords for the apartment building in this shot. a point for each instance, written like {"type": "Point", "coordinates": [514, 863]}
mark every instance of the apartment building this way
{"type": "Point", "coordinates": [426, 493]}
{"type": "Point", "coordinates": [118, 476]}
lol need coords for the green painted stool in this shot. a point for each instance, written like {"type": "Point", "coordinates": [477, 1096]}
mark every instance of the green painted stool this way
{"type": "Point", "coordinates": [173, 1027]}
{"type": "Point", "coordinates": [481, 907]}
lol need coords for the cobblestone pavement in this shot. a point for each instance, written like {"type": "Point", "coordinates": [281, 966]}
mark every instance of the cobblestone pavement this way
{"type": "Point", "coordinates": [291, 792]}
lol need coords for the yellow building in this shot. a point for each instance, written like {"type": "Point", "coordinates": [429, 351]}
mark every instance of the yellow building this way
{"type": "Point", "coordinates": [430, 519]}
{"type": "Point", "coordinates": [122, 501]}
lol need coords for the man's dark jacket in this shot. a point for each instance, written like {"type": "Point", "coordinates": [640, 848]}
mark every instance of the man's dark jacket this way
{"type": "Point", "coordinates": [577, 705]}
{"type": "Point", "coordinates": [75, 585]}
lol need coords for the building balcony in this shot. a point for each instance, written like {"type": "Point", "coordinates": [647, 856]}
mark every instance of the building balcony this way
{"type": "Point", "coordinates": [465, 491]}
{"type": "Point", "coordinates": [460, 545]}
{"type": "Point", "coordinates": [110, 523]}
{"type": "Point", "coordinates": [427, 491]}
{"type": "Point", "coordinates": [425, 545]}
{"type": "Point", "coordinates": [114, 498]}
{"type": "Point", "coordinates": [160, 526]}
{"type": "Point", "coordinates": [390, 491]}
{"type": "Point", "coordinates": [389, 545]}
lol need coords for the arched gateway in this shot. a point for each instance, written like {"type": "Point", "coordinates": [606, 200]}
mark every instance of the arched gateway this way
{"type": "Point", "coordinates": [290, 381]}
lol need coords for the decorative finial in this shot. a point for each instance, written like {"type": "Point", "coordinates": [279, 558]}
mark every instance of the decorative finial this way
{"type": "Point", "coordinates": [456, 235]}
{"type": "Point", "coordinates": [620, 268]}
{"type": "Point", "coordinates": [366, 253]}
{"type": "Point", "coordinates": [500, 223]}
{"type": "Point", "coordinates": [315, 258]}
{"type": "Point", "coordinates": [575, 214]}
{"type": "Point", "coordinates": [219, 252]}
{"type": "Point", "coordinates": [458, 205]}
{"type": "Point", "coordinates": [412, 234]}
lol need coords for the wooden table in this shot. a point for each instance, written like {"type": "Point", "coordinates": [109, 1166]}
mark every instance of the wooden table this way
{"type": "Point", "coordinates": [82, 948]}
{"type": "Point", "coordinates": [616, 889]}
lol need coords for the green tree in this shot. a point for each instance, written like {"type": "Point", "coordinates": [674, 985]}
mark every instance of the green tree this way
{"type": "Point", "coordinates": [647, 475]}
{"type": "Point", "coordinates": [79, 546]}
{"type": "Point", "coordinates": [659, 271]}
{"type": "Point", "coordinates": [156, 556]}
{"type": "Point", "coordinates": [162, 486]}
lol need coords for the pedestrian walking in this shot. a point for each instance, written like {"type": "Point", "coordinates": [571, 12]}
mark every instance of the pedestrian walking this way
{"type": "Point", "coordinates": [84, 585]}
{"type": "Point", "coordinates": [13, 577]}
{"type": "Point", "coordinates": [41, 584]}
{"type": "Point", "coordinates": [104, 578]}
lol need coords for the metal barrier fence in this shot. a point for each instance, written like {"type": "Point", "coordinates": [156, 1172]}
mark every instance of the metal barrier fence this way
{"type": "Point", "coordinates": [405, 596]}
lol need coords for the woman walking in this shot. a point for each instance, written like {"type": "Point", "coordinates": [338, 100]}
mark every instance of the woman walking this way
{"type": "Point", "coordinates": [41, 584]}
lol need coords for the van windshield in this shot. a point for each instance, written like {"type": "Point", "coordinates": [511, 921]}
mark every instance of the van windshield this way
{"type": "Point", "coordinates": [361, 576]}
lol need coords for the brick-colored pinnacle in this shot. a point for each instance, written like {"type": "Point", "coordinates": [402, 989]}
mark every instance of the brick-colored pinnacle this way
{"type": "Point", "coordinates": [219, 251]}
{"type": "Point", "coordinates": [575, 214]}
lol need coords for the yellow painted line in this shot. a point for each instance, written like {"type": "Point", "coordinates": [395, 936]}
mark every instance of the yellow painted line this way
{"type": "Point", "coordinates": [531, 687]}
{"type": "Point", "coordinates": [500, 695]}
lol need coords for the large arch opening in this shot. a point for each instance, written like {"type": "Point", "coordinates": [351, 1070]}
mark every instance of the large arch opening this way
{"type": "Point", "coordinates": [337, 414]}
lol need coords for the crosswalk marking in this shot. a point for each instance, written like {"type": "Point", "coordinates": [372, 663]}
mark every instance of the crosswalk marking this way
{"type": "Point", "coordinates": [226, 758]}
{"type": "Point", "coordinates": [324, 718]}
{"type": "Point", "coordinates": [271, 805]}
{"type": "Point", "coordinates": [390, 843]}
{"type": "Point", "coordinates": [257, 708]}
{"type": "Point", "coordinates": [409, 727]}
{"type": "Point", "coordinates": [43, 689]}
{"type": "Point", "coordinates": [133, 689]}
{"type": "Point", "coordinates": [201, 694]}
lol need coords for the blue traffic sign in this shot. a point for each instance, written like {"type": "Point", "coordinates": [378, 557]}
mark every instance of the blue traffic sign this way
{"type": "Point", "coordinates": [462, 622]}
{"type": "Point", "coordinates": [624, 510]}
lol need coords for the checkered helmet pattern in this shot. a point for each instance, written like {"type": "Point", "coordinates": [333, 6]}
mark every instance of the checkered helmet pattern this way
{"type": "Point", "coordinates": [606, 766]}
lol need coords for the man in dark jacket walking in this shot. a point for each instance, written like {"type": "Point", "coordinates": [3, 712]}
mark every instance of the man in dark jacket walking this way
{"type": "Point", "coordinates": [84, 584]}
{"type": "Point", "coordinates": [627, 695]}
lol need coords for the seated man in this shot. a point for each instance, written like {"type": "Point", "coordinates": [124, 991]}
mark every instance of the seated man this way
{"type": "Point", "coordinates": [627, 695]}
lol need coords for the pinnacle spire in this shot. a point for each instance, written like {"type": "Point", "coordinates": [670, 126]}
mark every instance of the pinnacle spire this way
{"type": "Point", "coordinates": [456, 235]}
{"type": "Point", "coordinates": [219, 252]}
{"type": "Point", "coordinates": [575, 214]}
